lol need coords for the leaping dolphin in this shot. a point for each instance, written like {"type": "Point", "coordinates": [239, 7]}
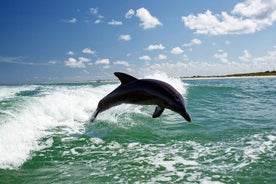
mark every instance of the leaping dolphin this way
{"type": "Point", "coordinates": [143, 92]}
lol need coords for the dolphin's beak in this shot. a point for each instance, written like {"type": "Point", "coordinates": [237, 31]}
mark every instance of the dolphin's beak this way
{"type": "Point", "coordinates": [186, 116]}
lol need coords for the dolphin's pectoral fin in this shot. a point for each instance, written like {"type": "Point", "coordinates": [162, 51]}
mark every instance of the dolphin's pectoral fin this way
{"type": "Point", "coordinates": [93, 117]}
{"type": "Point", "coordinates": [158, 111]}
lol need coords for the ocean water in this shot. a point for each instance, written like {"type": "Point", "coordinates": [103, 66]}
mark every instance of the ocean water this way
{"type": "Point", "coordinates": [45, 136]}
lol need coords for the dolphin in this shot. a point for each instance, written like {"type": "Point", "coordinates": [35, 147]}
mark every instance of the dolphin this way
{"type": "Point", "coordinates": [143, 92]}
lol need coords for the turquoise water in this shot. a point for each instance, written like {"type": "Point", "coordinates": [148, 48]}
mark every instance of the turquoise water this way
{"type": "Point", "coordinates": [45, 136]}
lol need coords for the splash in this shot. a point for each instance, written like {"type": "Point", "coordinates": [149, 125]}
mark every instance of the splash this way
{"type": "Point", "coordinates": [7, 92]}
{"type": "Point", "coordinates": [175, 82]}
{"type": "Point", "coordinates": [21, 128]}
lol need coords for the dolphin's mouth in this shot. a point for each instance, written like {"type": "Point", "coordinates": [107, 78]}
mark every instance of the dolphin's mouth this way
{"type": "Point", "coordinates": [187, 117]}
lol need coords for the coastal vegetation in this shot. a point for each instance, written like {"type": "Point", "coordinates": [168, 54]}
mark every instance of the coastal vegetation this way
{"type": "Point", "coordinates": [266, 73]}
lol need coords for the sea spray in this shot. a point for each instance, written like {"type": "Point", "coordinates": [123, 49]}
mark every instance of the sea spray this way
{"type": "Point", "coordinates": [21, 129]}
{"type": "Point", "coordinates": [7, 92]}
{"type": "Point", "coordinates": [175, 82]}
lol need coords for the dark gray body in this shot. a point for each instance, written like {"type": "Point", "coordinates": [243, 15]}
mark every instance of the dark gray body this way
{"type": "Point", "coordinates": [144, 92]}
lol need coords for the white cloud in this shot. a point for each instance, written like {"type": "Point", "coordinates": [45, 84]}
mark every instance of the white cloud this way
{"type": "Point", "coordinates": [147, 20]}
{"type": "Point", "coordinates": [221, 56]}
{"type": "Point", "coordinates": [177, 50]}
{"type": "Point", "coordinates": [208, 23]}
{"type": "Point", "coordinates": [193, 42]}
{"type": "Point", "coordinates": [94, 11]}
{"type": "Point", "coordinates": [162, 57]}
{"type": "Point", "coordinates": [125, 37]}
{"type": "Point", "coordinates": [130, 13]}
{"type": "Point", "coordinates": [227, 42]}
{"type": "Point", "coordinates": [98, 21]}
{"type": "Point", "coordinates": [145, 58]}
{"type": "Point", "coordinates": [191, 68]}
{"type": "Point", "coordinates": [185, 57]}
{"type": "Point", "coordinates": [52, 62]}
{"type": "Point", "coordinates": [74, 63]}
{"type": "Point", "coordinates": [269, 57]}
{"type": "Point", "coordinates": [246, 56]}
{"type": "Point", "coordinates": [124, 63]}
{"type": "Point", "coordinates": [73, 20]}
{"type": "Point", "coordinates": [194, 68]}
{"type": "Point", "coordinates": [155, 47]}
{"type": "Point", "coordinates": [83, 59]}
{"type": "Point", "coordinates": [85, 71]}
{"type": "Point", "coordinates": [70, 21]}
{"type": "Point", "coordinates": [70, 53]}
{"type": "Point", "coordinates": [102, 62]}
{"type": "Point", "coordinates": [88, 51]}
{"type": "Point", "coordinates": [246, 17]}
{"type": "Point", "coordinates": [115, 23]}
{"type": "Point", "coordinates": [106, 66]}
{"type": "Point", "coordinates": [20, 60]}
{"type": "Point", "coordinates": [251, 8]}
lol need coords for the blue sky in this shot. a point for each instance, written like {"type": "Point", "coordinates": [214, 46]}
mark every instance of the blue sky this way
{"type": "Point", "coordinates": [70, 40]}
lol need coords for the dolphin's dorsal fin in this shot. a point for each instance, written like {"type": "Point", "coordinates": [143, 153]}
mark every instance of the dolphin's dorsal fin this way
{"type": "Point", "coordinates": [124, 78]}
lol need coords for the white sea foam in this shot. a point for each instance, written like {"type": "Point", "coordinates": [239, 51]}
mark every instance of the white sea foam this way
{"type": "Point", "coordinates": [10, 91]}
{"type": "Point", "coordinates": [175, 82]}
{"type": "Point", "coordinates": [96, 140]}
{"type": "Point", "coordinates": [186, 161]}
{"type": "Point", "coordinates": [21, 129]}
{"type": "Point", "coordinates": [57, 106]}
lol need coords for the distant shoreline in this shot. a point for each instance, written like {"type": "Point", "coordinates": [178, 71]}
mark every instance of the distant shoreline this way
{"type": "Point", "coordinates": [266, 74]}
{"type": "Point", "coordinates": [241, 75]}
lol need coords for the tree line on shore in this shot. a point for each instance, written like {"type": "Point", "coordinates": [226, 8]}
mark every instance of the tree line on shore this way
{"type": "Point", "coordinates": [266, 73]}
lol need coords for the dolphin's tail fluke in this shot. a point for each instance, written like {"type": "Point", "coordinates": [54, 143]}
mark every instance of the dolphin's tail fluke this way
{"type": "Point", "coordinates": [93, 117]}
